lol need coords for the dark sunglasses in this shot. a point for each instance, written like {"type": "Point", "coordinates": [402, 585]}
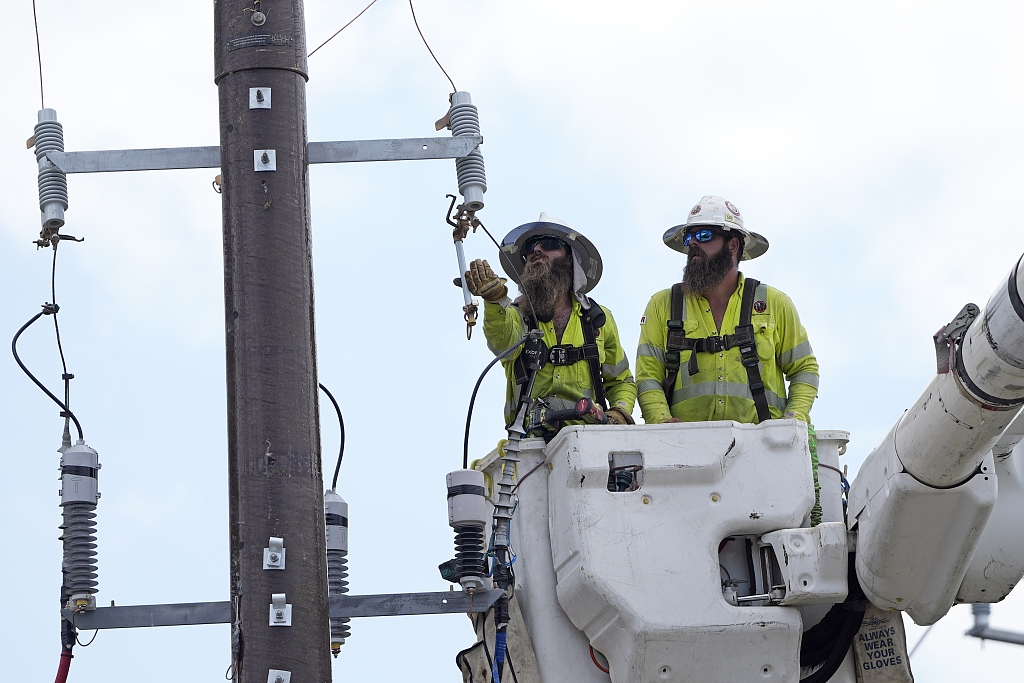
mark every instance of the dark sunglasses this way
{"type": "Point", "coordinates": [702, 235]}
{"type": "Point", "coordinates": [546, 242]}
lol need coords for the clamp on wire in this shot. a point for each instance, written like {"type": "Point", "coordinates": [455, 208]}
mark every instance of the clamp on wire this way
{"type": "Point", "coordinates": [462, 221]}
{"type": "Point", "coordinates": [54, 238]}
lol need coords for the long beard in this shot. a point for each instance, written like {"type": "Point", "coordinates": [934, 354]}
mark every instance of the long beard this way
{"type": "Point", "coordinates": [704, 274]}
{"type": "Point", "coordinates": [545, 284]}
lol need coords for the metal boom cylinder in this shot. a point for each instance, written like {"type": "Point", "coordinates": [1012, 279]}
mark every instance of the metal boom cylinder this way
{"type": "Point", "coordinates": [923, 497]}
{"type": "Point", "coordinates": [943, 438]}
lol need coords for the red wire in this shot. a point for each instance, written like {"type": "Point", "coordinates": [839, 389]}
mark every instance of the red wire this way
{"type": "Point", "coordinates": [597, 663]}
{"type": "Point", "coordinates": [65, 665]}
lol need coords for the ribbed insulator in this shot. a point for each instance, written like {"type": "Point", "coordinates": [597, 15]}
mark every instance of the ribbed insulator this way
{"type": "Point", "coordinates": [53, 184]}
{"type": "Point", "coordinates": [337, 584]}
{"type": "Point", "coordinates": [469, 550]}
{"type": "Point", "coordinates": [465, 120]}
{"type": "Point", "coordinates": [49, 138]}
{"type": "Point", "coordinates": [623, 480]}
{"type": "Point", "coordinates": [79, 537]}
{"type": "Point", "coordinates": [470, 170]}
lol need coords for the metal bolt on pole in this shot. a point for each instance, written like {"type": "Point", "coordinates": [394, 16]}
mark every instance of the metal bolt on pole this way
{"type": "Point", "coordinates": [273, 431]}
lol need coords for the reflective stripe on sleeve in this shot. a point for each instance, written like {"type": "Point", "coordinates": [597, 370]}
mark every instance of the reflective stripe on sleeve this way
{"type": "Point", "coordinates": [651, 351]}
{"type": "Point", "coordinates": [796, 353]}
{"type": "Point", "coordinates": [556, 403]}
{"type": "Point", "coordinates": [805, 378]}
{"type": "Point", "coordinates": [617, 369]}
{"type": "Point", "coordinates": [645, 385]}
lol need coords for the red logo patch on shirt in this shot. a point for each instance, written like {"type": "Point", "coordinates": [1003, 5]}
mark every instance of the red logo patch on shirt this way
{"type": "Point", "coordinates": [597, 333]}
{"type": "Point", "coordinates": [760, 306]}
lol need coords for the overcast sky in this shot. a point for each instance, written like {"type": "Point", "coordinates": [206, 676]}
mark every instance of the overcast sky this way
{"type": "Point", "coordinates": [877, 145]}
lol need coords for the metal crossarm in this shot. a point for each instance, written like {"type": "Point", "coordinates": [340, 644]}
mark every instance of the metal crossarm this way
{"type": "Point", "coordinates": [190, 613]}
{"type": "Point", "coordinates": [160, 159]}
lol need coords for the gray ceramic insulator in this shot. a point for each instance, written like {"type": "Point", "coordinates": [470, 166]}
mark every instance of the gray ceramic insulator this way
{"type": "Point", "coordinates": [53, 184]}
{"type": "Point", "coordinates": [79, 467]}
{"type": "Point", "coordinates": [464, 120]}
{"type": "Point", "coordinates": [336, 515]}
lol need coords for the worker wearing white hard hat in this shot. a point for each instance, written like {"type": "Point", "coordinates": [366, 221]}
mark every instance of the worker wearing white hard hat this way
{"type": "Point", "coordinates": [555, 267]}
{"type": "Point", "coordinates": [719, 345]}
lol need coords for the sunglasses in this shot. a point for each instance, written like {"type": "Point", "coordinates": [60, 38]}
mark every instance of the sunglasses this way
{"type": "Point", "coordinates": [546, 242]}
{"type": "Point", "coordinates": [702, 235]}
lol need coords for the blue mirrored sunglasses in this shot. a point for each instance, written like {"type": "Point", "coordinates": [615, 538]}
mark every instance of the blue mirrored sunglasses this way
{"type": "Point", "coordinates": [702, 235]}
{"type": "Point", "coordinates": [546, 242]}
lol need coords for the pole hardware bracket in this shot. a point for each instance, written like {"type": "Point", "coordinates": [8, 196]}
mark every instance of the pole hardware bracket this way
{"type": "Point", "coordinates": [264, 159]}
{"type": "Point", "coordinates": [279, 676]}
{"type": "Point", "coordinates": [259, 98]}
{"type": "Point", "coordinates": [280, 611]}
{"type": "Point", "coordinates": [950, 333]}
{"type": "Point", "coordinates": [273, 557]}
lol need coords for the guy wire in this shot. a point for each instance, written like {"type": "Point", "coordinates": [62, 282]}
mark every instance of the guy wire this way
{"type": "Point", "coordinates": [422, 37]}
{"type": "Point", "coordinates": [339, 30]}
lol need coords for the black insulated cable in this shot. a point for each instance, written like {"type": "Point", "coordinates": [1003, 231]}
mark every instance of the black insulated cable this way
{"type": "Point", "coordinates": [341, 448]}
{"type": "Point", "coordinates": [472, 400]}
{"type": "Point", "coordinates": [48, 309]}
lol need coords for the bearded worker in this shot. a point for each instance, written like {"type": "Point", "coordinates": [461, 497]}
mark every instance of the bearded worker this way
{"type": "Point", "coordinates": [555, 267]}
{"type": "Point", "coordinates": [719, 346]}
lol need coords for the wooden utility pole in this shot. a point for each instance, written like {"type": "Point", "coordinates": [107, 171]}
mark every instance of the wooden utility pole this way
{"type": "Point", "coordinates": [273, 429]}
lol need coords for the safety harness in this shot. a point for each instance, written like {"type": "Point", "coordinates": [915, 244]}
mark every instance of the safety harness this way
{"type": "Point", "coordinates": [591, 321]}
{"type": "Point", "coordinates": [742, 338]}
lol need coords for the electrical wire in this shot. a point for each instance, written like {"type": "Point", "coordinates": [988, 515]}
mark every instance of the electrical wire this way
{"type": "Point", "coordinates": [56, 328]}
{"type": "Point", "coordinates": [48, 309]}
{"type": "Point", "coordinates": [94, 633]}
{"type": "Point", "coordinates": [472, 400]}
{"type": "Point", "coordinates": [593, 658]}
{"type": "Point", "coordinates": [341, 448]}
{"type": "Point", "coordinates": [920, 640]}
{"type": "Point", "coordinates": [39, 56]}
{"type": "Point", "coordinates": [339, 30]}
{"type": "Point", "coordinates": [423, 38]}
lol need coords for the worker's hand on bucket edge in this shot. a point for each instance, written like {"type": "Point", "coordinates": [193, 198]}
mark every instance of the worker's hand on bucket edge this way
{"type": "Point", "coordinates": [482, 282]}
{"type": "Point", "coordinates": [618, 416]}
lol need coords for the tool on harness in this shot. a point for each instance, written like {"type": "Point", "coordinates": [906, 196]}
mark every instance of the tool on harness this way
{"type": "Point", "coordinates": [742, 338]}
{"type": "Point", "coordinates": [591, 321]}
{"type": "Point", "coordinates": [546, 422]}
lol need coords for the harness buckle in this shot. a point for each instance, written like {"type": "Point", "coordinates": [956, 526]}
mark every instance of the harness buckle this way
{"type": "Point", "coordinates": [559, 355]}
{"type": "Point", "coordinates": [562, 354]}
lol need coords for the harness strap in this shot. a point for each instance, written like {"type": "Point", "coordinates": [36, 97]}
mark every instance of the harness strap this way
{"type": "Point", "coordinates": [742, 338]}
{"type": "Point", "coordinates": [567, 354]}
{"type": "Point", "coordinates": [676, 340]}
{"type": "Point", "coordinates": [593, 318]}
{"type": "Point", "coordinates": [748, 352]}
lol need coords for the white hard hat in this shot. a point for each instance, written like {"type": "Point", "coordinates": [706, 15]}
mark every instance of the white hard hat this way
{"type": "Point", "coordinates": [716, 212]}
{"type": "Point", "coordinates": [587, 265]}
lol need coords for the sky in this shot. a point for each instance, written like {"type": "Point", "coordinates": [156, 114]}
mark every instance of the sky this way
{"type": "Point", "coordinates": [877, 146]}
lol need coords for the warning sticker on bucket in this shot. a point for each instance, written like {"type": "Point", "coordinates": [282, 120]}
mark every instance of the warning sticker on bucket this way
{"type": "Point", "coordinates": [880, 648]}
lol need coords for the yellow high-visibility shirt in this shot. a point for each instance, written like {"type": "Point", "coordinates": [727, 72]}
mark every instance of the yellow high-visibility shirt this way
{"type": "Point", "coordinates": [720, 389]}
{"type": "Point", "coordinates": [561, 385]}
